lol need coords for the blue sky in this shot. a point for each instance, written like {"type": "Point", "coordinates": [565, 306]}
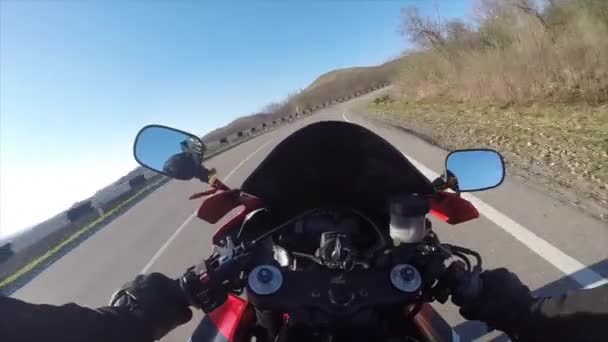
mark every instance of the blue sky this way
{"type": "Point", "coordinates": [78, 79]}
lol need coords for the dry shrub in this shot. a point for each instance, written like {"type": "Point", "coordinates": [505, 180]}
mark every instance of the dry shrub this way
{"type": "Point", "coordinates": [516, 54]}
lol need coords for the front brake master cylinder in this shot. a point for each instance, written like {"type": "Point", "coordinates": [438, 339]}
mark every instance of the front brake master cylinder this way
{"type": "Point", "coordinates": [408, 218]}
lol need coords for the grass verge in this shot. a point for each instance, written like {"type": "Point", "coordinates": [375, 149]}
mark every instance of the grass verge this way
{"type": "Point", "coordinates": [564, 147]}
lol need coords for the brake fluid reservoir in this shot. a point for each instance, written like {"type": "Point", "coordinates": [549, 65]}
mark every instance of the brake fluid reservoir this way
{"type": "Point", "coordinates": [408, 218]}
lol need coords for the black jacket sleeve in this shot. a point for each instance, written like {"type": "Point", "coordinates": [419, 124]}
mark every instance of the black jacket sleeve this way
{"type": "Point", "coordinates": [20, 321]}
{"type": "Point", "coordinates": [580, 315]}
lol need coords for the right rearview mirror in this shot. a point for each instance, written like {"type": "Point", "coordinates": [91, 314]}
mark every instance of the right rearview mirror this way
{"type": "Point", "coordinates": [474, 170]}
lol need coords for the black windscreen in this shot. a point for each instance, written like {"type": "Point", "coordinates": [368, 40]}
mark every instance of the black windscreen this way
{"type": "Point", "coordinates": [333, 163]}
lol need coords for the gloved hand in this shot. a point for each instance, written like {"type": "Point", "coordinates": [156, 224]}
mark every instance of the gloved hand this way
{"type": "Point", "coordinates": [155, 300]}
{"type": "Point", "coordinates": [504, 302]}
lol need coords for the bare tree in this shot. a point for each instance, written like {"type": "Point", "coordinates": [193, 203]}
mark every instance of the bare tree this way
{"type": "Point", "coordinates": [457, 31]}
{"type": "Point", "coordinates": [490, 9]}
{"type": "Point", "coordinates": [527, 7]}
{"type": "Point", "coordinates": [272, 107]}
{"type": "Point", "coordinates": [424, 32]}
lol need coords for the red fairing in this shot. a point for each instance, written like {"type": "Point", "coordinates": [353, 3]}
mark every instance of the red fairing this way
{"type": "Point", "coordinates": [228, 316]}
{"type": "Point", "coordinates": [452, 208]}
{"type": "Point", "coordinates": [216, 206]}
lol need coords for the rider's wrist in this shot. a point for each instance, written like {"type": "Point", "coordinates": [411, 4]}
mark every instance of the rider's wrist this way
{"type": "Point", "coordinates": [526, 321]}
{"type": "Point", "coordinates": [135, 327]}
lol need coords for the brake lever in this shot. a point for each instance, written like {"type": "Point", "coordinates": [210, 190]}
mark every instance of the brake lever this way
{"type": "Point", "coordinates": [209, 289]}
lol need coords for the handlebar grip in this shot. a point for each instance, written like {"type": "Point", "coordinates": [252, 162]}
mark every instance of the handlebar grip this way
{"type": "Point", "coordinates": [470, 290]}
{"type": "Point", "coordinates": [201, 291]}
{"type": "Point", "coordinates": [464, 286]}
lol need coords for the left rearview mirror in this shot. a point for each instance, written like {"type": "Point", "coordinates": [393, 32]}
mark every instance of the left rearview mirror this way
{"type": "Point", "coordinates": [474, 170]}
{"type": "Point", "coordinates": [171, 152]}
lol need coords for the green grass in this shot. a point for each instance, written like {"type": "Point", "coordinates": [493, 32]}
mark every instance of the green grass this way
{"type": "Point", "coordinates": [556, 144]}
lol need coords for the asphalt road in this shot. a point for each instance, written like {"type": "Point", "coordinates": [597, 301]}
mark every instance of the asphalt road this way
{"type": "Point", "coordinates": [551, 245]}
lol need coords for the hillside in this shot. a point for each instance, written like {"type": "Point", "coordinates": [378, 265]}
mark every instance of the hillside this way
{"type": "Point", "coordinates": [344, 83]}
{"type": "Point", "coordinates": [339, 84]}
{"type": "Point", "coordinates": [239, 125]}
{"type": "Point", "coordinates": [354, 77]}
{"type": "Point", "coordinates": [334, 75]}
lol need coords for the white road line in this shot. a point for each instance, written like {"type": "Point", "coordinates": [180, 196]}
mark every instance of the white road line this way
{"type": "Point", "coordinates": [191, 217]}
{"type": "Point", "coordinates": [455, 335]}
{"type": "Point", "coordinates": [573, 268]}
{"type": "Point", "coordinates": [345, 117]}
{"type": "Point", "coordinates": [167, 243]}
{"type": "Point", "coordinates": [246, 159]}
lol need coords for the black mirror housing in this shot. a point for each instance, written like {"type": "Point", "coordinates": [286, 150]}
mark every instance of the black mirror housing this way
{"type": "Point", "coordinates": [471, 170]}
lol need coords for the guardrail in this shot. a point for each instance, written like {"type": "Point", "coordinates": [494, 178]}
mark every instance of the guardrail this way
{"type": "Point", "coordinates": [306, 111]}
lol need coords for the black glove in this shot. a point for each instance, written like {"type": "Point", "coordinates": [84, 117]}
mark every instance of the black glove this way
{"type": "Point", "coordinates": [504, 302]}
{"type": "Point", "coordinates": [156, 301]}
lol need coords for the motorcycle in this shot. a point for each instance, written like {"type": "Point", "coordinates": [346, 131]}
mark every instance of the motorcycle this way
{"type": "Point", "coordinates": [332, 240]}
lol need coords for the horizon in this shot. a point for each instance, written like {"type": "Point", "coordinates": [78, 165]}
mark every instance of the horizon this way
{"type": "Point", "coordinates": [79, 79]}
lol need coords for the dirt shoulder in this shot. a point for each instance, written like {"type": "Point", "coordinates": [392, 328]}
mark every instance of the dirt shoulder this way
{"type": "Point", "coordinates": [563, 149]}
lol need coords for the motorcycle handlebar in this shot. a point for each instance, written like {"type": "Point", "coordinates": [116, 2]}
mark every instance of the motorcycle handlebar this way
{"type": "Point", "coordinates": [201, 291]}
{"type": "Point", "coordinates": [209, 289]}
{"type": "Point", "coordinates": [464, 286]}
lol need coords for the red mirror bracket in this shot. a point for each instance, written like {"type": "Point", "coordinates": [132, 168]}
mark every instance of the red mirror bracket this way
{"type": "Point", "coordinates": [220, 203]}
{"type": "Point", "coordinates": [452, 208]}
